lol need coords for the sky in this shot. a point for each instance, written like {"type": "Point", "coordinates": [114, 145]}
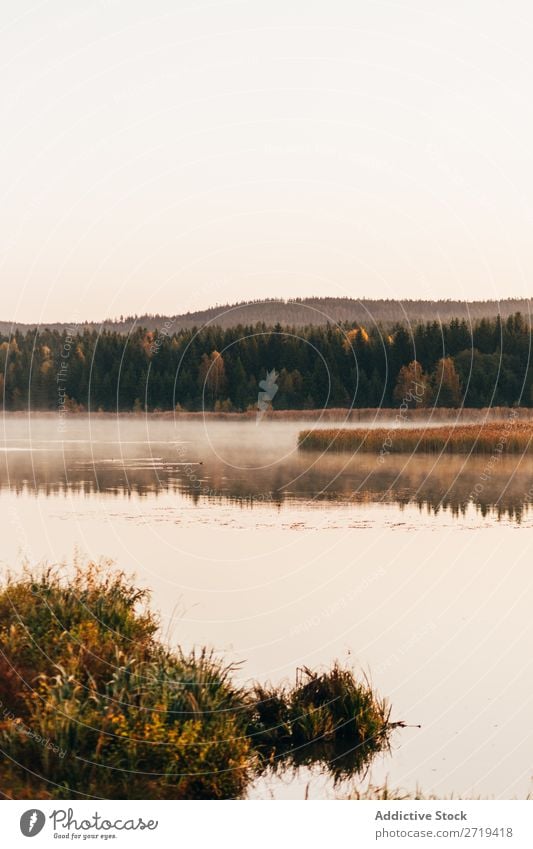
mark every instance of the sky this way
{"type": "Point", "coordinates": [161, 157]}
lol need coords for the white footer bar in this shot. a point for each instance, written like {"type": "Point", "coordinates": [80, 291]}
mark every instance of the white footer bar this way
{"type": "Point", "coordinates": [268, 825]}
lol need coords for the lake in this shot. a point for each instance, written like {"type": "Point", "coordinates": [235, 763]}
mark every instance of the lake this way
{"type": "Point", "coordinates": [417, 571]}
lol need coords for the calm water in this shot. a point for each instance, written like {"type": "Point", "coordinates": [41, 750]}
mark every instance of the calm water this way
{"type": "Point", "coordinates": [416, 571]}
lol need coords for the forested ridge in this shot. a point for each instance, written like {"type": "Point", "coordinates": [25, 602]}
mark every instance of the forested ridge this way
{"type": "Point", "coordinates": [301, 312]}
{"type": "Point", "coordinates": [480, 364]}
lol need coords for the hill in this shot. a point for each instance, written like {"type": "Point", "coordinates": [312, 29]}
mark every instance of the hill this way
{"type": "Point", "coordinates": [301, 312]}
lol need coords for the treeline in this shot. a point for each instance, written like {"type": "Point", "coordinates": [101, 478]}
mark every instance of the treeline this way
{"type": "Point", "coordinates": [214, 368]}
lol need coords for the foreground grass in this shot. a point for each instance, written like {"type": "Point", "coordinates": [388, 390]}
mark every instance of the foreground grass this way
{"type": "Point", "coordinates": [92, 703]}
{"type": "Point", "coordinates": [511, 437]}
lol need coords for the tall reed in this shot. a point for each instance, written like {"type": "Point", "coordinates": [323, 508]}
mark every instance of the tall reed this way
{"type": "Point", "coordinates": [510, 437]}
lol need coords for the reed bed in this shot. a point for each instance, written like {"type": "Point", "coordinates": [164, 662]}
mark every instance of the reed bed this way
{"type": "Point", "coordinates": [507, 437]}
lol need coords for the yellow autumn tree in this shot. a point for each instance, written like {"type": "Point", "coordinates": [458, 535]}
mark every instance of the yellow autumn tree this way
{"type": "Point", "coordinates": [446, 384]}
{"type": "Point", "coordinates": [354, 337]}
{"type": "Point", "coordinates": [412, 387]}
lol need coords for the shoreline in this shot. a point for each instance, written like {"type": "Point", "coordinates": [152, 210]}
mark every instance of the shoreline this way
{"type": "Point", "coordinates": [366, 414]}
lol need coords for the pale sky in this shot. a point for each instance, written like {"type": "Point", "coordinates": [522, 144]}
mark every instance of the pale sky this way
{"type": "Point", "coordinates": [161, 156]}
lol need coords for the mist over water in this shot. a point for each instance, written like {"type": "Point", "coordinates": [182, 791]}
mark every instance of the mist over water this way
{"type": "Point", "coordinates": [422, 581]}
{"type": "Point", "coordinates": [255, 463]}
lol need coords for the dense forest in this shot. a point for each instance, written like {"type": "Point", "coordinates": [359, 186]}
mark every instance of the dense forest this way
{"type": "Point", "coordinates": [301, 312]}
{"type": "Point", "coordinates": [483, 364]}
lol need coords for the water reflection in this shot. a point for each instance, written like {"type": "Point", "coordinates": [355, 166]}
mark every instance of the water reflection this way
{"type": "Point", "coordinates": [251, 465]}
